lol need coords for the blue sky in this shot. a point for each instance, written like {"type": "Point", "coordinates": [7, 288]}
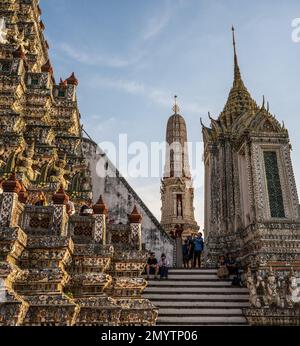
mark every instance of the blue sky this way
{"type": "Point", "coordinates": [132, 56]}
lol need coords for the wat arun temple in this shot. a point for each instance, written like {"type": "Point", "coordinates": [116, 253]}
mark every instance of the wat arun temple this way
{"type": "Point", "coordinates": [61, 266]}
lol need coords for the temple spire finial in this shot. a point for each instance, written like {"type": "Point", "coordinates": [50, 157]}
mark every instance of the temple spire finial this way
{"type": "Point", "coordinates": [263, 103]}
{"type": "Point", "coordinates": [176, 108]}
{"type": "Point", "coordinates": [237, 73]}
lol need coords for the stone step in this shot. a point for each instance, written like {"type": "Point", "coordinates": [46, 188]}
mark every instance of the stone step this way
{"type": "Point", "coordinates": [193, 297]}
{"type": "Point", "coordinates": [183, 290]}
{"type": "Point", "coordinates": [204, 320]}
{"type": "Point", "coordinates": [199, 297]}
{"type": "Point", "coordinates": [193, 274]}
{"type": "Point", "coordinates": [201, 304]}
{"type": "Point", "coordinates": [177, 283]}
{"type": "Point", "coordinates": [193, 271]}
{"type": "Point", "coordinates": [202, 325]}
{"type": "Point", "coordinates": [200, 312]}
{"type": "Point", "coordinates": [189, 277]}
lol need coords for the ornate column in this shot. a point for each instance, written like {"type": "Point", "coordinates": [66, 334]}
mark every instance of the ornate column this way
{"type": "Point", "coordinates": [91, 259]}
{"type": "Point", "coordinates": [10, 208]}
{"type": "Point", "coordinates": [135, 229]}
{"type": "Point", "coordinates": [127, 266]}
{"type": "Point", "coordinates": [12, 243]}
{"type": "Point", "coordinates": [60, 216]}
{"type": "Point", "coordinates": [100, 215]}
{"type": "Point", "coordinates": [43, 277]}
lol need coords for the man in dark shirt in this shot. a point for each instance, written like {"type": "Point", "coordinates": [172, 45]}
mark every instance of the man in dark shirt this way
{"type": "Point", "coordinates": [152, 266]}
{"type": "Point", "coordinates": [191, 250]}
{"type": "Point", "coordinates": [185, 253]}
{"type": "Point", "coordinates": [230, 263]}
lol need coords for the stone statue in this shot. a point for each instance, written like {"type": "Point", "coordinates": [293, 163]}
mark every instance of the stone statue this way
{"type": "Point", "coordinates": [273, 297]}
{"type": "Point", "coordinates": [2, 151]}
{"type": "Point", "coordinates": [76, 182]}
{"type": "Point", "coordinates": [46, 168]}
{"type": "Point", "coordinates": [25, 163]}
{"type": "Point", "coordinates": [3, 31]}
{"type": "Point", "coordinates": [254, 300]}
{"type": "Point", "coordinates": [179, 208]}
{"type": "Point", "coordinates": [19, 40]}
{"type": "Point", "coordinates": [86, 182]}
{"type": "Point", "coordinates": [261, 289]}
{"type": "Point", "coordinates": [13, 158]}
{"type": "Point", "coordinates": [59, 171]}
{"type": "Point", "coordinates": [293, 294]}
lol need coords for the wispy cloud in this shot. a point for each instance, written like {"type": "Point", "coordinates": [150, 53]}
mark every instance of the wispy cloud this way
{"type": "Point", "coordinates": [156, 95]}
{"type": "Point", "coordinates": [155, 24]}
{"type": "Point", "coordinates": [88, 57]}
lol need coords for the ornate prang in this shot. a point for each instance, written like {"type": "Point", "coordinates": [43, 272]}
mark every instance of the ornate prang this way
{"type": "Point", "coordinates": [57, 267]}
{"type": "Point", "coordinates": [177, 193]}
{"type": "Point", "coordinates": [251, 204]}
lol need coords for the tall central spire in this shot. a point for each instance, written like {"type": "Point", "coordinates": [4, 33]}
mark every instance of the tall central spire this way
{"type": "Point", "coordinates": [237, 72]}
{"type": "Point", "coordinates": [177, 194]}
{"type": "Point", "coordinates": [239, 100]}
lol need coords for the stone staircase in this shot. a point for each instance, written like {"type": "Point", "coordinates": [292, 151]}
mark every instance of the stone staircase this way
{"type": "Point", "coordinates": [195, 297]}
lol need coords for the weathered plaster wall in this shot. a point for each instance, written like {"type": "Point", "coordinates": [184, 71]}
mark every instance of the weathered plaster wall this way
{"type": "Point", "coordinates": [2, 291]}
{"type": "Point", "coordinates": [120, 199]}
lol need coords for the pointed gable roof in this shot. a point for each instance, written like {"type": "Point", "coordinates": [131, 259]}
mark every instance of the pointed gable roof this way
{"type": "Point", "coordinates": [239, 100]}
{"type": "Point", "coordinates": [261, 122]}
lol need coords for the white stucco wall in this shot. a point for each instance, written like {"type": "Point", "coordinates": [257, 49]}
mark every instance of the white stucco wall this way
{"type": "Point", "coordinates": [120, 199]}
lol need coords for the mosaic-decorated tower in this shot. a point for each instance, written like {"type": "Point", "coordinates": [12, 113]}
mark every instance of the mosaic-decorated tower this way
{"type": "Point", "coordinates": [177, 193]}
{"type": "Point", "coordinates": [251, 203]}
{"type": "Point", "coordinates": [56, 266]}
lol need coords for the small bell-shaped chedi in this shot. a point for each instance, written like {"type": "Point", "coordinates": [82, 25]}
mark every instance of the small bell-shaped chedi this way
{"type": "Point", "coordinates": [177, 191]}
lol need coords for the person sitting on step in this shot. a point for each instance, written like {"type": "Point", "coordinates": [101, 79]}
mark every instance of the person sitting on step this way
{"type": "Point", "coordinates": [163, 267]}
{"type": "Point", "coordinates": [152, 266]}
{"type": "Point", "coordinates": [234, 270]}
{"type": "Point", "coordinates": [231, 264]}
{"type": "Point", "coordinates": [223, 272]}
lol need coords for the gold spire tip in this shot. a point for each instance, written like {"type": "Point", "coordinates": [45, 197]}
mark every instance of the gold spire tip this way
{"type": "Point", "coordinates": [176, 108]}
{"type": "Point", "coordinates": [233, 39]}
